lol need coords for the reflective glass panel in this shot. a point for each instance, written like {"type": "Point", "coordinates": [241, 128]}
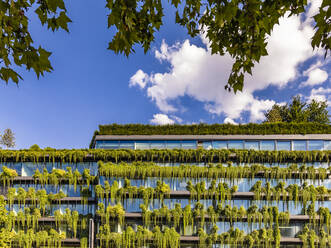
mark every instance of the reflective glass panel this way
{"type": "Point", "coordinates": [315, 145]}
{"type": "Point", "coordinates": [252, 145]}
{"type": "Point", "coordinates": [327, 144]}
{"type": "Point", "coordinates": [158, 144]}
{"type": "Point", "coordinates": [236, 144]}
{"type": "Point", "coordinates": [126, 144]}
{"type": "Point", "coordinates": [173, 144]}
{"type": "Point", "coordinates": [207, 145]}
{"type": "Point", "coordinates": [299, 145]}
{"type": "Point", "coordinates": [267, 145]}
{"type": "Point", "coordinates": [283, 145]}
{"type": "Point", "coordinates": [98, 144]}
{"type": "Point", "coordinates": [142, 145]}
{"type": "Point", "coordinates": [189, 144]}
{"type": "Point", "coordinates": [220, 144]}
{"type": "Point", "coordinates": [107, 144]}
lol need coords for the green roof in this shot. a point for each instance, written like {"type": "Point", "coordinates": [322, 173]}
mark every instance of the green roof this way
{"type": "Point", "coordinates": [213, 129]}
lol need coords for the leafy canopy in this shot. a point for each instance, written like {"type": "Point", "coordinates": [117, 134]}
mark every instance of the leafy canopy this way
{"type": "Point", "coordinates": [238, 27]}
{"type": "Point", "coordinates": [299, 111]}
{"type": "Point", "coordinates": [16, 44]}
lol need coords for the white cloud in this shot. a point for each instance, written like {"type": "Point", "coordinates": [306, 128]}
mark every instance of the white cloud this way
{"type": "Point", "coordinates": [257, 109]}
{"type": "Point", "coordinates": [320, 94]}
{"type": "Point", "coordinates": [140, 79]}
{"type": "Point", "coordinates": [228, 120]}
{"type": "Point", "coordinates": [196, 73]}
{"type": "Point", "coordinates": [177, 119]}
{"type": "Point", "coordinates": [315, 77]}
{"type": "Point", "coordinates": [161, 119]}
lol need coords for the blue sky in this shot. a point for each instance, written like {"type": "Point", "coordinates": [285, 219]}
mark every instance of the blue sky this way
{"type": "Point", "coordinates": [177, 81]}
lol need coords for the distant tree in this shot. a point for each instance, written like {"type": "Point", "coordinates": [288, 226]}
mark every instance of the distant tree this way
{"type": "Point", "coordinates": [274, 114]}
{"type": "Point", "coordinates": [318, 112]}
{"type": "Point", "coordinates": [8, 138]}
{"type": "Point", "coordinates": [34, 147]}
{"type": "Point", "coordinates": [296, 111]}
{"type": "Point", "coordinates": [299, 111]}
{"type": "Point", "coordinates": [49, 149]}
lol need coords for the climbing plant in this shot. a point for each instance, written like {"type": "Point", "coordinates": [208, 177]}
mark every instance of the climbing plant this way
{"type": "Point", "coordinates": [162, 155]}
{"type": "Point", "coordinates": [57, 176]}
{"type": "Point", "coordinates": [303, 193]}
{"type": "Point", "coordinates": [119, 194]}
{"type": "Point", "coordinates": [7, 175]}
{"type": "Point", "coordinates": [168, 238]}
{"type": "Point", "coordinates": [143, 170]}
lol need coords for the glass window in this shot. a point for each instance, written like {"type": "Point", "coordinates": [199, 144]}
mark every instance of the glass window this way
{"type": "Point", "coordinates": [173, 144]}
{"type": "Point", "coordinates": [158, 144]}
{"type": "Point", "coordinates": [327, 144]}
{"type": "Point", "coordinates": [223, 144]}
{"type": "Point", "coordinates": [207, 145]}
{"type": "Point", "coordinates": [236, 144]}
{"type": "Point", "coordinates": [142, 145]}
{"type": "Point", "coordinates": [283, 145]}
{"type": "Point", "coordinates": [189, 144]}
{"type": "Point", "coordinates": [267, 145]}
{"type": "Point", "coordinates": [107, 144]}
{"type": "Point", "coordinates": [299, 145]}
{"type": "Point", "coordinates": [98, 144]}
{"type": "Point", "coordinates": [314, 145]}
{"type": "Point", "coordinates": [252, 145]}
{"type": "Point", "coordinates": [126, 144]}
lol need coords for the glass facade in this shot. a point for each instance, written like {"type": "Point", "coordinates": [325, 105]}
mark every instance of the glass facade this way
{"type": "Point", "coordinates": [236, 144]}
{"type": "Point", "coordinates": [189, 144]}
{"type": "Point", "coordinates": [267, 145]}
{"type": "Point", "coordinates": [158, 144]}
{"type": "Point", "coordinates": [126, 145]}
{"type": "Point", "coordinates": [299, 145]}
{"type": "Point", "coordinates": [314, 145]}
{"type": "Point", "coordinates": [142, 145]}
{"type": "Point", "coordinates": [283, 145]}
{"type": "Point", "coordinates": [207, 145]}
{"type": "Point", "coordinates": [264, 145]}
{"type": "Point", "coordinates": [173, 144]}
{"type": "Point", "coordinates": [220, 144]}
{"type": "Point", "coordinates": [327, 145]}
{"type": "Point", "coordinates": [252, 145]}
{"type": "Point", "coordinates": [107, 144]}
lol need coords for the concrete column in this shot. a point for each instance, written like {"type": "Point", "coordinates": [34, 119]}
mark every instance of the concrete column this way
{"type": "Point", "coordinates": [91, 233]}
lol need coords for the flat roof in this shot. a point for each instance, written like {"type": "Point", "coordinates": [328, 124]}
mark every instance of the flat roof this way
{"type": "Point", "coordinates": [217, 137]}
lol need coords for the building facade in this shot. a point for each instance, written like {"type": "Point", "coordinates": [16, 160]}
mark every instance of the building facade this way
{"type": "Point", "coordinates": [171, 191]}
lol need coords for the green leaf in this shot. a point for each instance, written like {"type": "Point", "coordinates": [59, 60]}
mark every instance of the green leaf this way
{"type": "Point", "coordinates": [6, 74]}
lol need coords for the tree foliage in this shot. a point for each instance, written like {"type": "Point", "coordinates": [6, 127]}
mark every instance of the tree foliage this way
{"type": "Point", "coordinates": [299, 111]}
{"type": "Point", "coordinates": [237, 27]}
{"type": "Point", "coordinates": [17, 47]}
{"type": "Point", "coordinates": [8, 138]}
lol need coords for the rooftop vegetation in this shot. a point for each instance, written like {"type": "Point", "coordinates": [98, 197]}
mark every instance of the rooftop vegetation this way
{"type": "Point", "coordinates": [214, 129]}
{"type": "Point", "coordinates": [219, 129]}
